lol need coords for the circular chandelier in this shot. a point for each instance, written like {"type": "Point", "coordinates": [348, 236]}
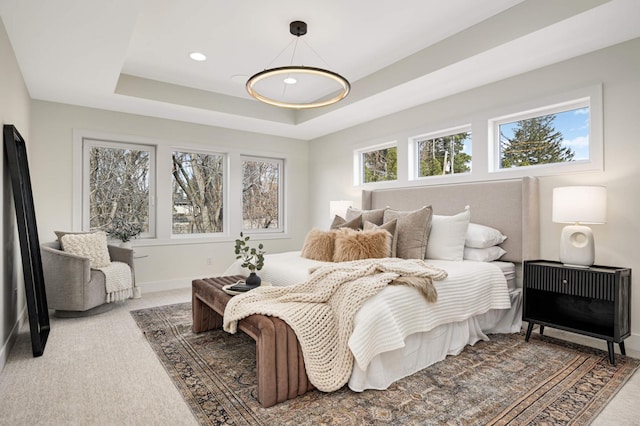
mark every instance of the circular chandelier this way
{"type": "Point", "coordinates": [300, 86]}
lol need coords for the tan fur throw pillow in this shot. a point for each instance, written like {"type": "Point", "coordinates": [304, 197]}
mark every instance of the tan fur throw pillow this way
{"type": "Point", "coordinates": [356, 245]}
{"type": "Point", "coordinates": [318, 245]}
{"type": "Point", "coordinates": [388, 226]}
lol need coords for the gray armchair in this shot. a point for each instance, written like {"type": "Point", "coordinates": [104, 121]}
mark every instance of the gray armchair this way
{"type": "Point", "coordinates": [72, 287]}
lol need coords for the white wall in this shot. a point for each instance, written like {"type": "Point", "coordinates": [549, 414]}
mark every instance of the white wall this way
{"type": "Point", "coordinates": [616, 68]}
{"type": "Point", "coordinates": [52, 177]}
{"type": "Point", "coordinates": [14, 109]}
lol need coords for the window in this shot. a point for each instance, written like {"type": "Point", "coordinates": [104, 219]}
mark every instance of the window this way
{"type": "Point", "coordinates": [379, 165]}
{"type": "Point", "coordinates": [445, 154]}
{"type": "Point", "coordinates": [198, 190]}
{"type": "Point", "coordinates": [555, 134]}
{"type": "Point", "coordinates": [262, 193]}
{"type": "Point", "coordinates": [118, 185]}
{"type": "Point", "coordinates": [175, 193]}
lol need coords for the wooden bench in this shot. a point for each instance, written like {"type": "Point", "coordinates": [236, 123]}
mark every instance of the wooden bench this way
{"type": "Point", "coordinates": [279, 362]}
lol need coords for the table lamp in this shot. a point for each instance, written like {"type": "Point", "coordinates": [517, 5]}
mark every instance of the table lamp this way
{"type": "Point", "coordinates": [578, 205]}
{"type": "Point", "coordinates": [339, 208]}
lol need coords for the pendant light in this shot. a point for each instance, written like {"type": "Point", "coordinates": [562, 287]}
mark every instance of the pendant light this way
{"type": "Point", "coordinates": [298, 86]}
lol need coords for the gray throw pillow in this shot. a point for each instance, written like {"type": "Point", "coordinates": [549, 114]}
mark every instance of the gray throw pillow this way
{"type": "Point", "coordinates": [413, 229]}
{"type": "Point", "coordinates": [374, 216]}
{"type": "Point", "coordinates": [340, 222]}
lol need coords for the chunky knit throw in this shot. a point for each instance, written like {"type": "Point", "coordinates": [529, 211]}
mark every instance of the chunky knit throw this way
{"type": "Point", "coordinates": [321, 310]}
{"type": "Point", "coordinates": [117, 281]}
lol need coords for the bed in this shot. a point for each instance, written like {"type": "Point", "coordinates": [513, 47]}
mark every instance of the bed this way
{"type": "Point", "coordinates": [394, 335]}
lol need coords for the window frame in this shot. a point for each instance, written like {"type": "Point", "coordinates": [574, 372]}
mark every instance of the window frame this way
{"type": "Point", "coordinates": [90, 142]}
{"type": "Point", "coordinates": [225, 194]}
{"type": "Point", "coordinates": [281, 191]}
{"type": "Point", "coordinates": [414, 156]}
{"type": "Point", "coordinates": [162, 192]}
{"type": "Point", "coordinates": [590, 97]}
{"type": "Point", "coordinates": [358, 164]}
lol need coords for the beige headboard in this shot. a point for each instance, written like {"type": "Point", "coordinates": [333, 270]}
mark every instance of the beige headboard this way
{"type": "Point", "coordinates": [508, 205]}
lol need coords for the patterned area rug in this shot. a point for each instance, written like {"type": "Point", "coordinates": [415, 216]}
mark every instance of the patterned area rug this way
{"type": "Point", "coordinates": [503, 381]}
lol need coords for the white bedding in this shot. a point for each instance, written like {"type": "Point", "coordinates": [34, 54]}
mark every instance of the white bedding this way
{"type": "Point", "coordinates": [385, 320]}
{"type": "Point", "coordinates": [281, 269]}
{"type": "Point", "coordinates": [397, 332]}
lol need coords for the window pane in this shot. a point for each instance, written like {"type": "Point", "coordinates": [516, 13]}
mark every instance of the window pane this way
{"type": "Point", "coordinates": [553, 138]}
{"type": "Point", "coordinates": [445, 155]}
{"type": "Point", "coordinates": [118, 187]}
{"type": "Point", "coordinates": [261, 187]}
{"type": "Point", "coordinates": [380, 165]}
{"type": "Point", "coordinates": [197, 192]}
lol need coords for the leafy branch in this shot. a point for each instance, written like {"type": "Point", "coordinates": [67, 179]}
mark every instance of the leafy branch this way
{"type": "Point", "coordinates": [252, 258]}
{"type": "Point", "coordinates": [123, 230]}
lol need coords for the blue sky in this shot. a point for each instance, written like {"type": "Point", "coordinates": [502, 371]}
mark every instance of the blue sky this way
{"type": "Point", "coordinates": [574, 126]}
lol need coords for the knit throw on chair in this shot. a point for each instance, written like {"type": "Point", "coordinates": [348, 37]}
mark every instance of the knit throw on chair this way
{"type": "Point", "coordinates": [118, 281]}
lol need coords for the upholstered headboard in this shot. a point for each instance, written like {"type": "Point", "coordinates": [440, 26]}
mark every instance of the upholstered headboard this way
{"type": "Point", "coordinates": [508, 205]}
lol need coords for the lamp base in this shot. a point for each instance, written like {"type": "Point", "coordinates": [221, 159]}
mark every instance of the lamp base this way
{"type": "Point", "coordinates": [577, 246]}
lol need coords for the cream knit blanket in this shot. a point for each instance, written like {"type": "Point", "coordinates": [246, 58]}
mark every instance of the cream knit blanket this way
{"type": "Point", "coordinates": [321, 310]}
{"type": "Point", "coordinates": [118, 281]}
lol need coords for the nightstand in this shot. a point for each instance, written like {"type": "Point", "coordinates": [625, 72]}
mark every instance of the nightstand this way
{"type": "Point", "coordinates": [594, 301]}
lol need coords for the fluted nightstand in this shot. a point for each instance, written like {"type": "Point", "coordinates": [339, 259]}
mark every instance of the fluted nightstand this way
{"type": "Point", "coordinates": [594, 301]}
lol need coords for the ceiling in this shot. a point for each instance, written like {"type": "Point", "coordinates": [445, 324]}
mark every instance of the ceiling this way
{"type": "Point", "coordinates": [133, 55]}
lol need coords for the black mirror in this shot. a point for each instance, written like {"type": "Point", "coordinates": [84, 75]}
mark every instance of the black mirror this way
{"type": "Point", "coordinates": [16, 152]}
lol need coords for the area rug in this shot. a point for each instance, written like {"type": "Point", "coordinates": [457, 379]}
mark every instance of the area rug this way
{"type": "Point", "coordinates": [504, 381]}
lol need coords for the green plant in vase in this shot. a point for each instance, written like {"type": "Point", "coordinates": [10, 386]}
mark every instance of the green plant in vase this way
{"type": "Point", "coordinates": [123, 230]}
{"type": "Point", "coordinates": [252, 258]}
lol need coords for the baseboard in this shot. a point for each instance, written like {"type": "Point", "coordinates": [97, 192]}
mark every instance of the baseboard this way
{"type": "Point", "coordinates": [154, 286]}
{"type": "Point", "coordinates": [632, 343]}
{"type": "Point", "coordinates": [11, 340]}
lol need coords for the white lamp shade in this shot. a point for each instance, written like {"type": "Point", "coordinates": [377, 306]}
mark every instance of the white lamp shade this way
{"type": "Point", "coordinates": [580, 204]}
{"type": "Point", "coordinates": [339, 208]}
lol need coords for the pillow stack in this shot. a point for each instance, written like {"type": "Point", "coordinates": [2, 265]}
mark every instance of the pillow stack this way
{"type": "Point", "coordinates": [366, 234]}
{"type": "Point", "coordinates": [482, 243]}
{"type": "Point", "coordinates": [408, 234]}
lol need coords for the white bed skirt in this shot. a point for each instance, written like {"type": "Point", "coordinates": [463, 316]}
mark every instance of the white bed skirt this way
{"type": "Point", "coordinates": [424, 349]}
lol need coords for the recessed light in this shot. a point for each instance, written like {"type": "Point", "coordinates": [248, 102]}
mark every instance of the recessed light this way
{"type": "Point", "coordinates": [198, 56]}
{"type": "Point", "coordinates": [290, 80]}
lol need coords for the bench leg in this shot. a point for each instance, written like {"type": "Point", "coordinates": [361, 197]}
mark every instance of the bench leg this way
{"type": "Point", "coordinates": [279, 362]}
{"type": "Point", "coordinates": [204, 318]}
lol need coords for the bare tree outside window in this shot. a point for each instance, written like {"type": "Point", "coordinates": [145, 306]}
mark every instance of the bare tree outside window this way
{"type": "Point", "coordinates": [380, 165]}
{"type": "Point", "coordinates": [261, 193]}
{"type": "Point", "coordinates": [118, 186]}
{"type": "Point", "coordinates": [445, 155]}
{"type": "Point", "coordinates": [198, 190]}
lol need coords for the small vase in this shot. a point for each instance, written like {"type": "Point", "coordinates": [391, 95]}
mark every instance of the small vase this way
{"type": "Point", "coordinates": [253, 280]}
{"type": "Point", "coordinates": [126, 244]}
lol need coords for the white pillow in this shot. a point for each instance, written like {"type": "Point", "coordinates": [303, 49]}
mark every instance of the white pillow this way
{"type": "Point", "coordinates": [481, 236]}
{"type": "Point", "coordinates": [92, 245]}
{"type": "Point", "coordinates": [488, 254]}
{"type": "Point", "coordinates": [447, 237]}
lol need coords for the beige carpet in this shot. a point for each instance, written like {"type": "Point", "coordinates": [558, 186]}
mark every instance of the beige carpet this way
{"type": "Point", "coordinates": [102, 371]}
{"type": "Point", "coordinates": [504, 381]}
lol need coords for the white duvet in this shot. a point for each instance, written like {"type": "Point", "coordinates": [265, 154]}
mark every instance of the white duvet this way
{"type": "Point", "coordinates": [385, 321]}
